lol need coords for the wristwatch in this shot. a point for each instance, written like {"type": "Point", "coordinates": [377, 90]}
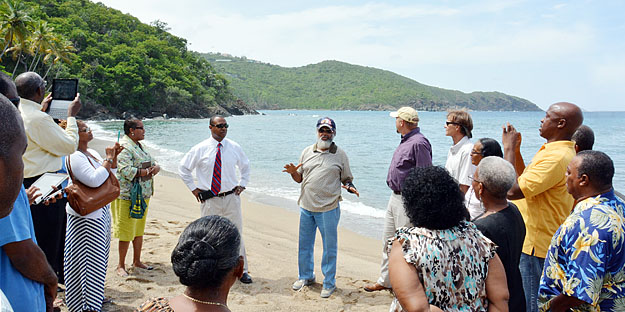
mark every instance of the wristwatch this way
{"type": "Point", "coordinates": [109, 160]}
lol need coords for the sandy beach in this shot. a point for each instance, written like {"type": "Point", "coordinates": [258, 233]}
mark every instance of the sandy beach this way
{"type": "Point", "coordinates": [271, 235]}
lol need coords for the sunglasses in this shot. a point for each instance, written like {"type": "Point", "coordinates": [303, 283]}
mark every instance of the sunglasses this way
{"type": "Point", "coordinates": [139, 128]}
{"type": "Point", "coordinates": [451, 123]}
{"type": "Point", "coordinates": [220, 126]}
{"type": "Point", "coordinates": [325, 130]}
{"type": "Point", "coordinates": [85, 129]}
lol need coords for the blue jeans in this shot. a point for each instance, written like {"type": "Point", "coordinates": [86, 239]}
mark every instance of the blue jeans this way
{"type": "Point", "coordinates": [327, 222]}
{"type": "Point", "coordinates": [531, 270]}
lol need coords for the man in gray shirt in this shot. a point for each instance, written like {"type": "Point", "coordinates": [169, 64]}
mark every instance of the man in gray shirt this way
{"type": "Point", "coordinates": [413, 151]}
{"type": "Point", "coordinates": [322, 168]}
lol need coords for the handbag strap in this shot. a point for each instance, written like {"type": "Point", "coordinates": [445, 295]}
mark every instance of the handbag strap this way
{"type": "Point", "coordinates": [69, 168]}
{"type": "Point", "coordinates": [88, 159]}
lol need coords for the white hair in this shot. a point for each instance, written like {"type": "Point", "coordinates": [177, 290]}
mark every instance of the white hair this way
{"type": "Point", "coordinates": [497, 175]}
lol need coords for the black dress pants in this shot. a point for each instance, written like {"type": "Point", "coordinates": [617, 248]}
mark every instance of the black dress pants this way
{"type": "Point", "coordinates": [49, 223]}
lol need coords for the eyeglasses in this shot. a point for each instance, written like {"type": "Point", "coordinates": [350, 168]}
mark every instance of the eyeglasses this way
{"type": "Point", "coordinates": [223, 125]}
{"type": "Point", "coordinates": [141, 128]}
{"type": "Point", "coordinates": [451, 123]}
{"type": "Point", "coordinates": [474, 152]}
{"type": "Point", "coordinates": [44, 84]}
{"type": "Point", "coordinates": [475, 180]}
{"type": "Point", "coordinates": [15, 101]}
{"type": "Point", "coordinates": [325, 130]}
{"type": "Point", "coordinates": [85, 129]}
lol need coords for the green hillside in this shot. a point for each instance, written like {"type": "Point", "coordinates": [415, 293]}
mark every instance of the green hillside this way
{"type": "Point", "coordinates": [122, 65]}
{"type": "Point", "coordinates": [338, 85]}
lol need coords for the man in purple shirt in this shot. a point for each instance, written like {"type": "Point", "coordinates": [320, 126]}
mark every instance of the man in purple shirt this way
{"type": "Point", "coordinates": [413, 151]}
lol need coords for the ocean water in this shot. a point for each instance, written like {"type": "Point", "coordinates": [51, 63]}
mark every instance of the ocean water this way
{"type": "Point", "coordinates": [369, 139]}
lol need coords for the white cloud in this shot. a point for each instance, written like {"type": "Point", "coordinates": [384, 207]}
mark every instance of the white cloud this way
{"type": "Point", "coordinates": [543, 44]}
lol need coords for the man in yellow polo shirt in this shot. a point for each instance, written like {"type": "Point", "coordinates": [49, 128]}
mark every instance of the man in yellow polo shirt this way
{"type": "Point", "coordinates": [540, 191]}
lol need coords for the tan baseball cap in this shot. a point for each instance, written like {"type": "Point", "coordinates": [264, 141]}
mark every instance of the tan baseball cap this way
{"type": "Point", "coordinates": [406, 113]}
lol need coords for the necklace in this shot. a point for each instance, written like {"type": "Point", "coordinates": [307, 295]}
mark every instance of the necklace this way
{"type": "Point", "coordinates": [204, 302]}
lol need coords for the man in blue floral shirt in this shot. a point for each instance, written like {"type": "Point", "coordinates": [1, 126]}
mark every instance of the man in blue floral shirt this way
{"type": "Point", "coordinates": [585, 265]}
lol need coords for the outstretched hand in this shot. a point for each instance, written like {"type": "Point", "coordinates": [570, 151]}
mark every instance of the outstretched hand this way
{"type": "Point", "coordinates": [351, 189]}
{"type": "Point", "coordinates": [291, 168]}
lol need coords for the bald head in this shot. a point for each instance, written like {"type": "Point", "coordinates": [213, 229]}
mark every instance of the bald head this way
{"type": "Point", "coordinates": [30, 86]}
{"type": "Point", "coordinates": [572, 114]}
{"type": "Point", "coordinates": [560, 121]}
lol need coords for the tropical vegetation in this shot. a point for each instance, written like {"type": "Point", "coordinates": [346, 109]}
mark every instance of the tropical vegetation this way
{"type": "Point", "coordinates": [122, 65]}
{"type": "Point", "coordinates": [338, 85]}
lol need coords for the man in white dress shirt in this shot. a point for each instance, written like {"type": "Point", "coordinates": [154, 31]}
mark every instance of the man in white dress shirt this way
{"type": "Point", "coordinates": [214, 161]}
{"type": "Point", "coordinates": [459, 126]}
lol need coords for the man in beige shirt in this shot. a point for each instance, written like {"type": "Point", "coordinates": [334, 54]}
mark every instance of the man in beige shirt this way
{"type": "Point", "coordinates": [47, 145]}
{"type": "Point", "coordinates": [322, 168]}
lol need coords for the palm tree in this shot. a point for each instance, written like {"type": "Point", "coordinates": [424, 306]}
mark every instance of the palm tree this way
{"type": "Point", "coordinates": [61, 50]}
{"type": "Point", "coordinates": [42, 42]}
{"type": "Point", "coordinates": [15, 23]}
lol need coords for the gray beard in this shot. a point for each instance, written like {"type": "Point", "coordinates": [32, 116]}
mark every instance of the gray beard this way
{"type": "Point", "coordinates": [323, 145]}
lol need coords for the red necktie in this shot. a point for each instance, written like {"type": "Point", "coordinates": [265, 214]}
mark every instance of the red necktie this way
{"type": "Point", "coordinates": [216, 184]}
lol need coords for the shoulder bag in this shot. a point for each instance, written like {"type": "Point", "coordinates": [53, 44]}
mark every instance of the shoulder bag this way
{"type": "Point", "coordinates": [84, 199]}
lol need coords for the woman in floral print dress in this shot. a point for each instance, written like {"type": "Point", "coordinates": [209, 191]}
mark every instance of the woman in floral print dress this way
{"type": "Point", "coordinates": [444, 261]}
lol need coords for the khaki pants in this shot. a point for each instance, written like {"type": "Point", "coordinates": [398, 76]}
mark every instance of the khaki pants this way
{"type": "Point", "coordinates": [228, 207]}
{"type": "Point", "coordinates": [395, 218]}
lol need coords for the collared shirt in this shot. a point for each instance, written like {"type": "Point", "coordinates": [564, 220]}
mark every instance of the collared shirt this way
{"type": "Point", "coordinates": [546, 203]}
{"type": "Point", "coordinates": [322, 174]}
{"type": "Point", "coordinates": [459, 161]}
{"type": "Point", "coordinates": [413, 151]}
{"type": "Point", "coordinates": [201, 159]}
{"type": "Point", "coordinates": [23, 293]}
{"type": "Point", "coordinates": [47, 142]}
{"type": "Point", "coordinates": [586, 259]}
{"type": "Point", "coordinates": [129, 161]}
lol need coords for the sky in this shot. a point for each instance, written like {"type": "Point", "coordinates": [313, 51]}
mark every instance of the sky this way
{"type": "Point", "coordinates": [543, 51]}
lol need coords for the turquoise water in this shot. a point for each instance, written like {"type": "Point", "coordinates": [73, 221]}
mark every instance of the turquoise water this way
{"type": "Point", "coordinates": [369, 139]}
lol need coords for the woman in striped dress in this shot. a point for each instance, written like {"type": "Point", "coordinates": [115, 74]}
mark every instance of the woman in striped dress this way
{"type": "Point", "coordinates": [88, 238]}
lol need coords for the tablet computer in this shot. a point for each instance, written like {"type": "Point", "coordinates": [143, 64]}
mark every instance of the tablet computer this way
{"type": "Point", "coordinates": [63, 93]}
{"type": "Point", "coordinates": [45, 183]}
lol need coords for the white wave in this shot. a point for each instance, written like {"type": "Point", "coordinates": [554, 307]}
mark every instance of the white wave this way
{"type": "Point", "coordinates": [359, 208]}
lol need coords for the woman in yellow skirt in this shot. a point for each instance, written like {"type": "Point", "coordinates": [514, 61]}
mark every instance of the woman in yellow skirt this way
{"type": "Point", "coordinates": [134, 165]}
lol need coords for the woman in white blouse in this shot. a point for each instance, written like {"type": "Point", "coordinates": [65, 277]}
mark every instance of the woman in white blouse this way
{"type": "Point", "coordinates": [88, 238]}
{"type": "Point", "coordinates": [484, 147]}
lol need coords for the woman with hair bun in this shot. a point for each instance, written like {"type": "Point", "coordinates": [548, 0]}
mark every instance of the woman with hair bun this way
{"type": "Point", "coordinates": [207, 261]}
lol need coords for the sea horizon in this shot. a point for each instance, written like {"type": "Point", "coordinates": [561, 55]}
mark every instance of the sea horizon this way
{"type": "Point", "coordinates": [369, 138]}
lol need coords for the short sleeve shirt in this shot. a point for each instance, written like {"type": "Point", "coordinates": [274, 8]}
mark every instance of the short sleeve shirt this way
{"type": "Point", "coordinates": [452, 264]}
{"type": "Point", "coordinates": [23, 293]}
{"type": "Point", "coordinates": [322, 175]}
{"type": "Point", "coordinates": [459, 161]}
{"type": "Point", "coordinates": [547, 202]}
{"type": "Point", "coordinates": [586, 258]}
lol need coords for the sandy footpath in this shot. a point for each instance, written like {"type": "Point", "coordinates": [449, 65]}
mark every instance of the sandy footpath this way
{"type": "Point", "coordinates": [270, 234]}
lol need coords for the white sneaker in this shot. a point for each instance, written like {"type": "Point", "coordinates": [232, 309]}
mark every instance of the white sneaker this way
{"type": "Point", "coordinates": [303, 282]}
{"type": "Point", "coordinates": [326, 292]}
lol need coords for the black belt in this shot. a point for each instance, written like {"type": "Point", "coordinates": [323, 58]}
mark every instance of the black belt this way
{"type": "Point", "coordinates": [397, 192]}
{"type": "Point", "coordinates": [205, 195]}
{"type": "Point", "coordinates": [225, 193]}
